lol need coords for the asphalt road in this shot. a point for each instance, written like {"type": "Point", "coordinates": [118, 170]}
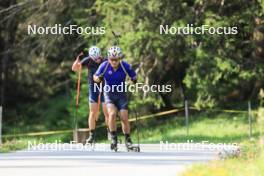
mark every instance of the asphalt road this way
{"type": "Point", "coordinates": [153, 160]}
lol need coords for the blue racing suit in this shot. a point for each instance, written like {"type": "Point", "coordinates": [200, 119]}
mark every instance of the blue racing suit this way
{"type": "Point", "coordinates": [92, 66]}
{"type": "Point", "coordinates": [113, 79]}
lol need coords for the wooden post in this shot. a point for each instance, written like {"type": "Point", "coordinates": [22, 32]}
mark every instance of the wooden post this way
{"type": "Point", "coordinates": [80, 135]}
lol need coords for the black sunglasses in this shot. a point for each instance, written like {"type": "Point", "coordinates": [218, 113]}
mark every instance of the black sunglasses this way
{"type": "Point", "coordinates": [113, 60]}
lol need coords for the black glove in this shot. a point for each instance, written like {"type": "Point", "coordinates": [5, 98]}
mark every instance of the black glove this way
{"type": "Point", "coordinates": [101, 77]}
{"type": "Point", "coordinates": [134, 81]}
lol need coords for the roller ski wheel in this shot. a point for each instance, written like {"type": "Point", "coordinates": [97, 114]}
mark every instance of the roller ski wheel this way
{"type": "Point", "coordinates": [133, 148]}
{"type": "Point", "coordinates": [130, 146]}
{"type": "Point", "coordinates": [108, 136]}
{"type": "Point", "coordinates": [91, 140]}
{"type": "Point", "coordinates": [113, 147]}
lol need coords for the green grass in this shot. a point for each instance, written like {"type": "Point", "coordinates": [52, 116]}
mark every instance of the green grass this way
{"type": "Point", "coordinates": [12, 146]}
{"type": "Point", "coordinates": [22, 142]}
{"type": "Point", "coordinates": [212, 127]}
{"type": "Point", "coordinates": [250, 163]}
{"type": "Point", "coordinates": [228, 168]}
{"type": "Point", "coordinates": [204, 126]}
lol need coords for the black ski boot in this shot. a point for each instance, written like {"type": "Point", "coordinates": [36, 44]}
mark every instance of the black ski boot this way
{"type": "Point", "coordinates": [129, 144]}
{"type": "Point", "coordinates": [128, 141]}
{"type": "Point", "coordinates": [108, 135]}
{"type": "Point", "coordinates": [91, 139]}
{"type": "Point", "coordinates": [113, 145]}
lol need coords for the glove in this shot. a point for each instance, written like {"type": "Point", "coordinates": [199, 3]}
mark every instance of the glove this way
{"type": "Point", "coordinates": [100, 77]}
{"type": "Point", "coordinates": [134, 81]}
{"type": "Point", "coordinates": [80, 56]}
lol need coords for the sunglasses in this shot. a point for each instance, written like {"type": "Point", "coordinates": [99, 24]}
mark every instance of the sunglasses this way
{"type": "Point", "coordinates": [97, 59]}
{"type": "Point", "coordinates": [113, 60]}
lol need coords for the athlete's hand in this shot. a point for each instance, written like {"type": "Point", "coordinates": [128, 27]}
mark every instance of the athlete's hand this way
{"type": "Point", "coordinates": [77, 64]}
{"type": "Point", "coordinates": [98, 79]}
{"type": "Point", "coordinates": [134, 81]}
{"type": "Point", "coordinates": [101, 77]}
{"type": "Point", "coordinates": [81, 53]}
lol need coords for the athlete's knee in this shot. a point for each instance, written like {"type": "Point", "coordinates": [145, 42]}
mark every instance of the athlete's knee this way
{"type": "Point", "coordinates": [105, 113]}
{"type": "Point", "coordinates": [124, 115]}
{"type": "Point", "coordinates": [93, 113]}
{"type": "Point", "coordinates": [125, 120]}
{"type": "Point", "coordinates": [111, 114]}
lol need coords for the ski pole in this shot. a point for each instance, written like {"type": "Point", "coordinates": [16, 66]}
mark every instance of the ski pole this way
{"type": "Point", "coordinates": [137, 128]}
{"type": "Point", "coordinates": [77, 97]}
{"type": "Point", "coordinates": [136, 114]}
{"type": "Point", "coordinates": [99, 102]}
{"type": "Point", "coordinates": [78, 86]}
{"type": "Point", "coordinates": [117, 36]}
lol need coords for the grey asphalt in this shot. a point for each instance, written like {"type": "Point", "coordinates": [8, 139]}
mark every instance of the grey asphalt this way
{"type": "Point", "coordinates": [100, 160]}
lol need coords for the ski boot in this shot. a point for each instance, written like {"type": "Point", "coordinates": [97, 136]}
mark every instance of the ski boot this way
{"type": "Point", "coordinates": [91, 139]}
{"type": "Point", "coordinates": [113, 145]}
{"type": "Point", "coordinates": [108, 135]}
{"type": "Point", "coordinates": [129, 144]}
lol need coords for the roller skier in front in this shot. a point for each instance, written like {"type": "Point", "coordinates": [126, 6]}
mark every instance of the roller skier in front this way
{"type": "Point", "coordinates": [113, 72]}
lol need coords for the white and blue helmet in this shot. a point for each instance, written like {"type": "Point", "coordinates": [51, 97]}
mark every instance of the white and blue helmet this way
{"type": "Point", "coordinates": [115, 52]}
{"type": "Point", "coordinates": [94, 52]}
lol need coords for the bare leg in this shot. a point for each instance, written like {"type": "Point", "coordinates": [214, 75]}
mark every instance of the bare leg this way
{"type": "Point", "coordinates": [93, 115]}
{"type": "Point", "coordinates": [105, 114]}
{"type": "Point", "coordinates": [124, 121]}
{"type": "Point", "coordinates": [92, 122]}
{"type": "Point", "coordinates": [111, 109]}
{"type": "Point", "coordinates": [126, 127]}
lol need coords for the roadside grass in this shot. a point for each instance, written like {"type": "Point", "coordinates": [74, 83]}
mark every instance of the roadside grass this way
{"type": "Point", "coordinates": [228, 168]}
{"type": "Point", "coordinates": [204, 126]}
{"type": "Point", "coordinates": [12, 145]}
{"type": "Point", "coordinates": [23, 142]}
{"type": "Point", "coordinates": [250, 163]}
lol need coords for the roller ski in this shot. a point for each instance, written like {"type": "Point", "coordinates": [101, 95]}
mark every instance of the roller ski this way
{"type": "Point", "coordinates": [91, 140]}
{"type": "Point", "coordinates": [113, 145]}
{"type": "Point", "coordinates": [108, 135]}
{"type": "Point", "coordinates": [130, 146]}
